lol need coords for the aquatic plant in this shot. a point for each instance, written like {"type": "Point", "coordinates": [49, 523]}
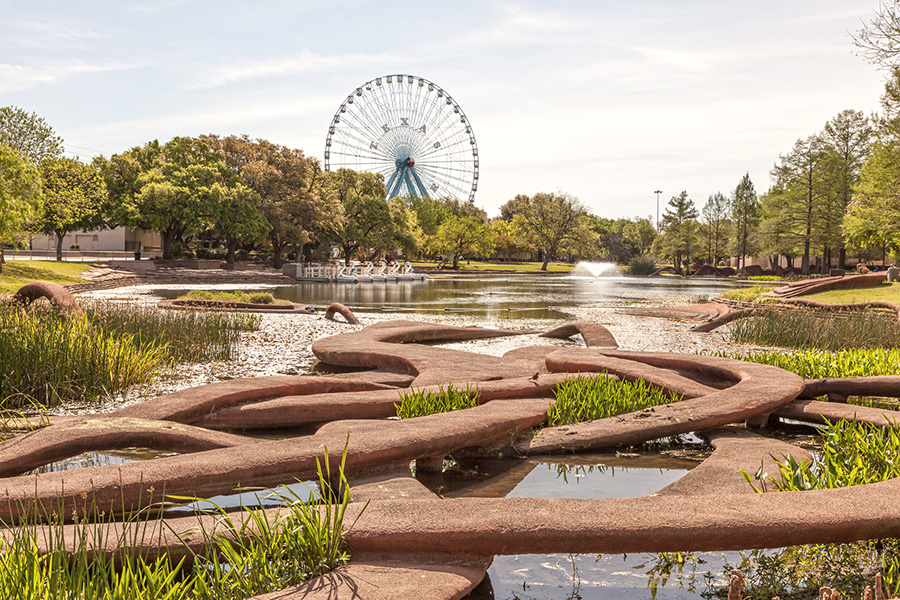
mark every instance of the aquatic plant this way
{"type": "Point", "coordinates": [49, 358]}
{"type": "Point", "coordinates": [589, 398]}
{"type": "Point", "coordinates": [261, 554]}
{"type": "Point", "coordinates": [852, 454]}
{"type": "Point", "coordinates": [818, 364]}
{"type": "Point", "coordinates": [819, 329]}
{"type": "Point", "coordinates": [194, 336]}
{"type": "Point", "coordinates": [418, 403]}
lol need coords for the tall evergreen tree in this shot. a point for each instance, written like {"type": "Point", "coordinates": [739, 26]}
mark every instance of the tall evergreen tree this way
{"type": "Point", "coordinates": [745, 216]}
{"type": "Point", "coordinates": [716, 225]}
{"type": "Point", "coordinates": [847, 140]}
{"type": "Point", "coordinates": [800, 189]}
{"type": "Point", "coordinates": [680, 228]}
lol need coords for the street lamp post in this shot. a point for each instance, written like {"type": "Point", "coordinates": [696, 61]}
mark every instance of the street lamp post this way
{"type": "Point", "coordinates": [657, 192]}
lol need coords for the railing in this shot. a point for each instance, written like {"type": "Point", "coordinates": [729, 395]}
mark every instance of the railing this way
{"type": "Point", "coordinates": [75, 255]}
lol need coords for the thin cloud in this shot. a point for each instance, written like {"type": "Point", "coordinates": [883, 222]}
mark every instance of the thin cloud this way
{"type": "Point", "coordinates": [303, 63]}
{"type": "Point", "coordinates": [17, 78]}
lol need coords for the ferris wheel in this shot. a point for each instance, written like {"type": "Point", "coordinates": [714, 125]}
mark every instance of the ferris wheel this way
{"type": "Point", "coordinates": [411, 131]}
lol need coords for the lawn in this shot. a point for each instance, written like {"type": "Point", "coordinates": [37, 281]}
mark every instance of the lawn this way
{"type": "Point", "coordinates": [17, 273]}
{"type": "Point", "coordinates": [523, 267]}
{"type": "Point", "coordinates": [885, 291]}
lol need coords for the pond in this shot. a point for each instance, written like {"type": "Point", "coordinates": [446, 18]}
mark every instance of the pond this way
{"type": "Point", "coordinates": [594, 475]}
{"type": "Point", "coordinates": [507, 296]}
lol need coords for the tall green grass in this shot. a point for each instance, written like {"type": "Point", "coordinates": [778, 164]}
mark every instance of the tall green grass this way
{"type": "Point", "coordinates": [819, 329]}
{"type": "Point", "coordinates": [236, 296]}
{"type": "Point", "coordinates": [187, 335]}
{"type": "Point", "coordinates": [589, 398]}
{"type": "Point", "coordinates": [49, 359]}
{"type": "Point", "coordinates": [260, 554]}
{"type": "Point", "coordinates": [52, 359]}
{"type": "Point", "coordinates": [419, 403]}
{"type": "Point", "coordinates": [817, 364]}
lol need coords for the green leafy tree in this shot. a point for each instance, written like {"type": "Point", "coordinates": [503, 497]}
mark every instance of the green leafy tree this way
{"type": "Point", "coordinates": [366, 221]}
{"type": "Point", "coordinates": [800, 191]}
{"type": "Point", "coordinates": [873, 217]}
{"type": "Point", "coordinates": [745, 218]}
{"type": "Point", "coordinates": [507, 239]}
{"type": "Point", "coordinates": [548, 221]}
{"type": "Point", "coordinates": [847, 138]}
{"type": "Point", "coordinates": [74, 197]}
{"type": "Point", "coordinates": [179, 190]}
{"type": "Point", "coordinates": [464, 235]}
{"type": "Point", "coordinates": [29, 135]}
{"type": "Point", "coordinates": [285, 181]}
{"type": "Point", "coordinates": [680, 228]}
{"type": "Point", "coordinates": [21, 196]}
{"type": "Point", "coordinates": [640, 233]}
{"type": "Point", "coordinates": [716, 226]}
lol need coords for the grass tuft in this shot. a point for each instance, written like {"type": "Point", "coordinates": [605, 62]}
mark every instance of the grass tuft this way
{"type": "Point", "coordinates": [419, 403]}
{"type": "Point", "coordinates": [818, 364]}
{"type": "Point", "coordinates": [590, 398]}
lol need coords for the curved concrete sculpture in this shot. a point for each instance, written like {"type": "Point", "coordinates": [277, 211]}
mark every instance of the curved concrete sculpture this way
{"type": "Point", "coordinates": [403, 520]}
{"type": "Point", "coordinates": [822, 284]}
{"type": "Point", "coordinates": [340, 309]}
{"type": "Point", "coordinates": [59, 296]}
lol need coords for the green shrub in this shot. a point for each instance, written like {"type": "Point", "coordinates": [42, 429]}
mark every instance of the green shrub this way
{"type": "Point", "coordinates": [261, 298]}
{"type": "Point", "coordinates": [418, 403]}
{"type": "Point", "coordinates": [642, 265]}
{"type": "Point", "coordinates": [589, 398]}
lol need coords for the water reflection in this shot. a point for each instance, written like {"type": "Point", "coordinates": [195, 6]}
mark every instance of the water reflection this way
{"type": "Point", "coordinates": [512, 296]}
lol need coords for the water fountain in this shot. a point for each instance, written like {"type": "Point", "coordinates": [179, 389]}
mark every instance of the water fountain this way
{"type": "Point", "coordinates": [596, 269]}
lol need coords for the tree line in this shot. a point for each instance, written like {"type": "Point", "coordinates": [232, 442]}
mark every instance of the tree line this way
{"type": "Point", "coordinates": [240, 193]}
{"type": "Point", "coordinates": [834, 195]}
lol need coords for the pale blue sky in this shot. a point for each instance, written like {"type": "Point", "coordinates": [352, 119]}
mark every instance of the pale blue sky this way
{"type": "Point", "coordinates": [606, 100]}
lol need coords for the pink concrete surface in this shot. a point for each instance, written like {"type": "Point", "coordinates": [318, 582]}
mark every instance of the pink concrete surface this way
{"type": "Point", "coordinates": [395, 578]}
{"type": "Point", "coordinates": [813, 411]}
{"type": "Point", "coordinates": [821, 284]}
{"type": "Point", "coordinates": [398, 518]}
{"type": "Point", "coordinates": [336, 308]}
{"type": "Point", "coordinates": [60, 297]}
{"type": "Point", "coordinates": [691, 312]}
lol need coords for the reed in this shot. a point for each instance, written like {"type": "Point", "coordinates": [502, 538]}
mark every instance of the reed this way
{"type": "Point", "coordinates": [262, 554]}
{"type": "Point", "coordinates": [817, 364]}
{"type": "Point", "coordinates": [51, 359]}
{"type": "Point", "coordinates": [589, 398]}
{"type": "Point", "coordinates": [48, 359]}
{"type": "Point", "coordinates": [195, 336]}
{"type": "Point", "coordinates": [820, 330]}
{"type": "Point", "coordinates": [418, 403]}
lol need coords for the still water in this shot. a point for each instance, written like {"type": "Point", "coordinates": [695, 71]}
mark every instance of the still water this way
{"type": "Point", "coordinates": [513, 296]}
